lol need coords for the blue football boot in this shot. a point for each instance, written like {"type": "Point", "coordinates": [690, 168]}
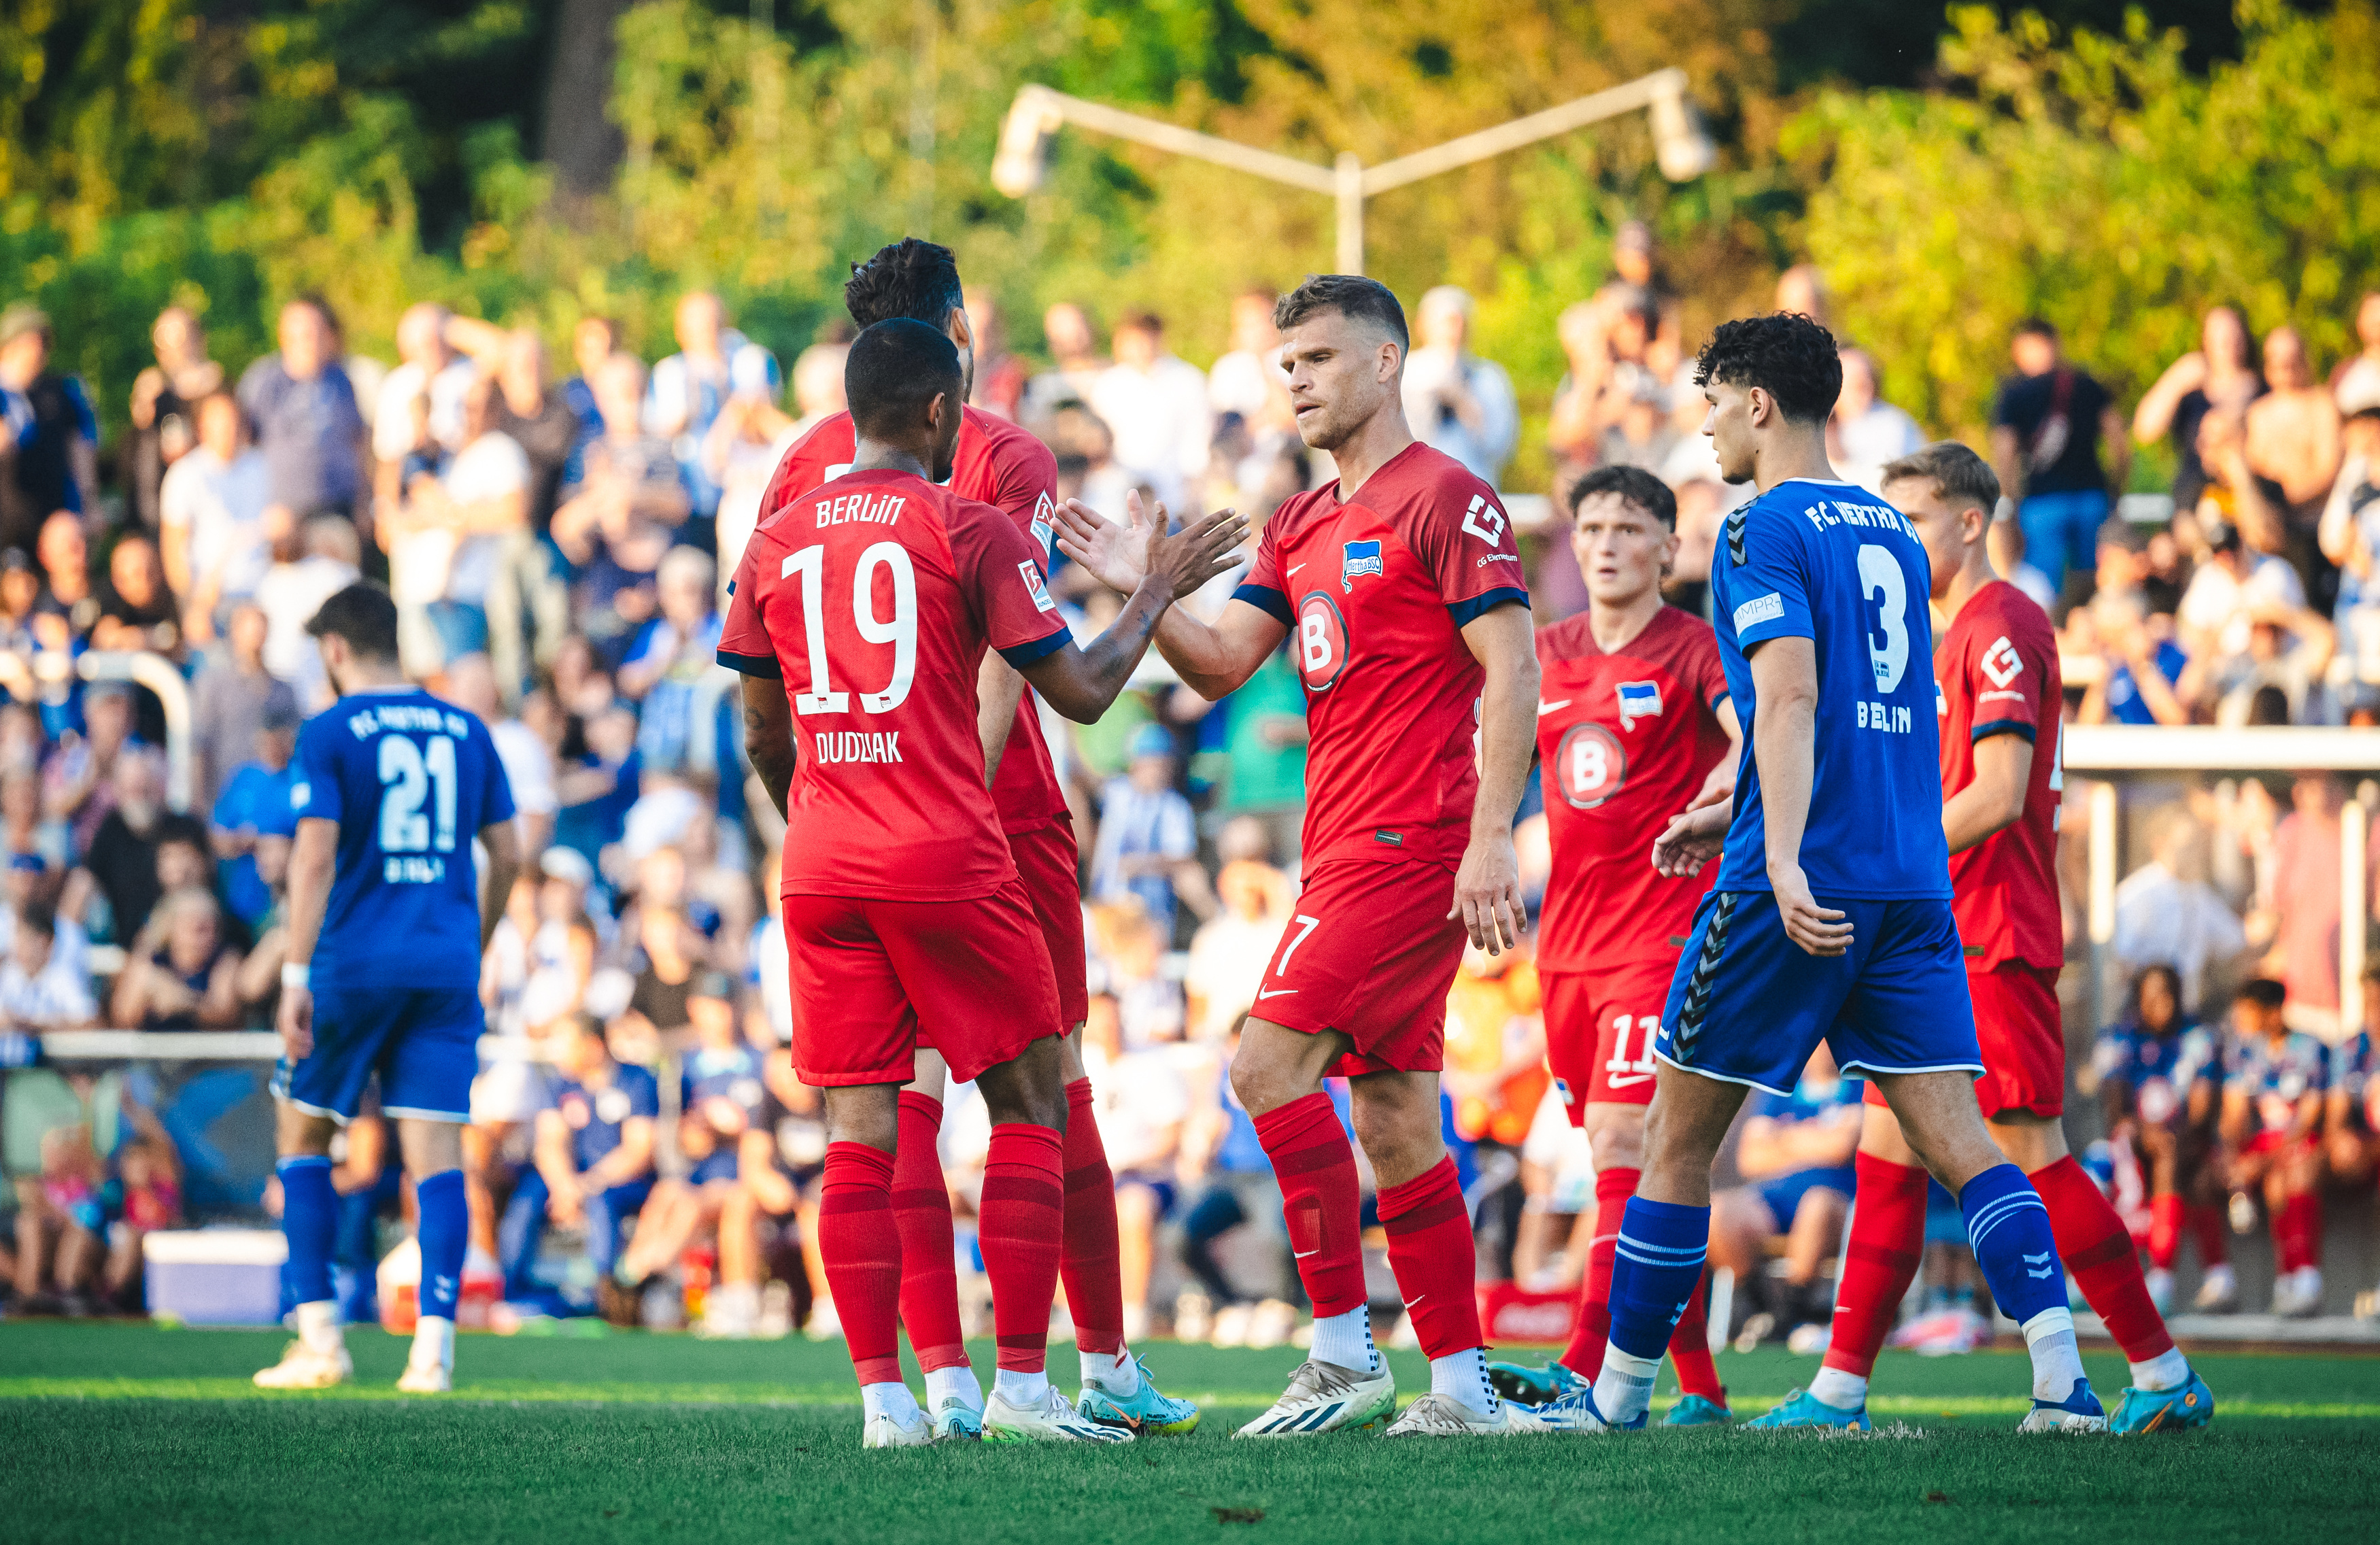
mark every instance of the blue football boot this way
{"type": "Point", "coordinates": [1694, 1410]}
{"type": "Point", "coordinates": [2175, 1410]}
{"type": "Point", "coordinates": [1803, 1409]}
{"type": "Point", "coordinates": [1533, 1386]}
{"type": "Point", "coordinates": [1147, 1409]}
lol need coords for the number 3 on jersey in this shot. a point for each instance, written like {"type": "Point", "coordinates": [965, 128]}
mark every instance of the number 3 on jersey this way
{"type": "Point", "coordinates": [900, 630]}
{"type": "Point", "coordinates": [1882, 581]}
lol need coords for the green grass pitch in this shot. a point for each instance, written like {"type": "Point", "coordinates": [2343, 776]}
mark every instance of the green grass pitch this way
{"type": "Point", "coordinates": [124, 1432]}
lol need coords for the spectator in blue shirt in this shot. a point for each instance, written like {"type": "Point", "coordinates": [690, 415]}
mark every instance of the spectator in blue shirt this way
{"type": "Point", "coordinates": [254, 801]}
{"type": "Point", "coordinates": [2141, 680]}
{"type": "Point", "coordinates": [594, 1164]}
{"type": "Point", "coordinates": [303, 410]}
{"type": "Point", "coordinates": [689, 388]}
{"type": "Point", "coordinates": [1147, 844]}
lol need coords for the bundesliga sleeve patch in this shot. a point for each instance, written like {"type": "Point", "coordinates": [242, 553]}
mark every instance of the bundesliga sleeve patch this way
{"type": "Point", "coordinates": [1036, 587]}
{"type": "Point", "coordinates": [1759, 609]}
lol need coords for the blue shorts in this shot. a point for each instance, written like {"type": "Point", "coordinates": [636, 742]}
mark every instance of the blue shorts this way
{"type": "Point", "coordinates": [1748, 1007]}
{"type": "Point", "coordinates": [1784, 1193]}
{"type": "Point", "coordinates": [2061, 531]}
{"type": "Point", "coordinates": [423, 1041]}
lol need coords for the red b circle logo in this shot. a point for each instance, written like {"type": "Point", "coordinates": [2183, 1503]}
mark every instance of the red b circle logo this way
{"type": "Point", "coordinates": [1321, 641]}
{"type": "Point", "coordinates": [1590, 765]}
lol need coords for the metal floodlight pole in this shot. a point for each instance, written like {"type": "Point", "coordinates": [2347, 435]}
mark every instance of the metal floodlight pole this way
{"type": "Point", "coordinates": [1680, 146]}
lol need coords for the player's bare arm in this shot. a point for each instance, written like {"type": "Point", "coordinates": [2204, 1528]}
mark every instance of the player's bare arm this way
{"type": "Point", "coordinates": [1785, 684]}
{"type": "Point", "coordinates": [312, 858]}
{"type": "Point", "coordinates": [1718, 787]}
{"type": "Point", "coordinates": [769, 737]}
{"type": "Point", "coordinates": [1488, 885]}
{"type": "Point", "coordinates": [503, 866]}
{"type": "Point", "coordinates": [1995, 801]}
{"type": "Point", "coordinates": [1080, 683]}
{"type": "Point", "coordinates": [1213, 659]}
{"type": "Point", "coordinates": [998, 692]}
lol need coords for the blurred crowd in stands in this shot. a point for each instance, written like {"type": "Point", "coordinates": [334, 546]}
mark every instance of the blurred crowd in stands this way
{"type": "Point", "coordinates": [557, 544]}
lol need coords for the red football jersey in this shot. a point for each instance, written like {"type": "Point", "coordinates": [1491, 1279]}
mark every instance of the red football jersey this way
{"type": "Point", "coordinates": [873, 599]}
{"type": "Point", "coordinates": [1997, 673]}
{"type": "Point", "coordinates": [998, 464]}
{"type": "Point", "coordinates": [1624, 741]}
{"type": "Point", "coordinates": [1376, 592]}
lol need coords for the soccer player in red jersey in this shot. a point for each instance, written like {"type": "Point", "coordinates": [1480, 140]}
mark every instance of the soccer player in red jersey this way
{"type": "Point", "coordinates": [1002, 465]}
{"type": "Point", "coordinates": [860, 616]}
{"type": "Point", "coordinates": [1403, 587]}
{"type": "Point", "coordinates": [1998, 694]}
{"type": "Point", "coordinates": [1633, 725]}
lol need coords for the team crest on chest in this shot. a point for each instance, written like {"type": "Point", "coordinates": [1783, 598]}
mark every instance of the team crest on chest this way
{"type": "Point", "coordinates": [1358, 559]}
{"type": "Point", "coordinates": [1638, 699]}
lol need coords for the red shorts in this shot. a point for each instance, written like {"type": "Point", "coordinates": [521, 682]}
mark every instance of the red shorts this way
{"type": "Point", "coordinates": [873, 980]}
{"type": "Point", "coordinates": [1052, 874]}
{"type": "Point", "coordinates": [2024, 1040]}
{"type": "Point", "coordinates": [1369, 953]}
{"type": "Point", "coordinates": [1599, 1029]}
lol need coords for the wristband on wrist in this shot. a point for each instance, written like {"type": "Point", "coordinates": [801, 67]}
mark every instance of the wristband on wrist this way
{"type": "Point", "coordinates": [296, 974]}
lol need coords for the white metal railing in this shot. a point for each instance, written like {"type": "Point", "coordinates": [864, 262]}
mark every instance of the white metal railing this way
{"type": "Point", "coordinates": [28, 680]}
{"type": "Point", "coordinates": [2113, 752]}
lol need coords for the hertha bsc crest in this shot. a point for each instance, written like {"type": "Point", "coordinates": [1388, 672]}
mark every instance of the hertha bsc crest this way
{"type": "Point", "coordinates": [1361, 558]}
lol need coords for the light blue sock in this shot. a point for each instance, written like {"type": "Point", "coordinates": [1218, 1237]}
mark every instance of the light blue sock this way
{"type": "Point", "coordinates": [443, 1233]}
{"type": "Point", "coordinates": [310, 1221]}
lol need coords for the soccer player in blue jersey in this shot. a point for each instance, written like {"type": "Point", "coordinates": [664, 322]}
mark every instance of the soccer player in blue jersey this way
{"type": "Point", "coordinates": [1830, 918]}
{"type": "Point", "coordinates": [387, 921]}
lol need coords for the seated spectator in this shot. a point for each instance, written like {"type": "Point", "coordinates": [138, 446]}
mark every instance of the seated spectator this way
{"type": "Point", "coordinates": [594, 1168]}
{"type": "Point", "coordinates": [1141, 1102]}
{"type": "Point", "coordinates": [1236, 1188]}
{"type": "Point", "coordinates": [1231, 951]}
{"type": "Point", "coordinates": [670, 654]}
{"type": "Point", "coordinates": [40, 990]}
{"type": "Point", "coordinates": [2159, 1077]}
{"type": "Point", "coordinates": [668, 949]}
{"type": "Point", "coordinates": [1796, 1154]}
{"type": "Point", "coordinates": [2288, 654]}
{"type": "Point", "coordinates": [322, 561]}
{"type": "Point", "coordinates": [61, 1224]}
{"type": "Point", "coordinates": [23, 832]}
{"type": "Point", "coordinates": [135, 609]}
{"type": "Point", "coordinates": [256, 798]}
{"type": "Point", "coordinates": [617, 518]}
{"type": "Point", "coordinates": [179, 973]}
{"type": "Point", "coordinates": [1074, 348]}
{"type": "Point", "coordinates": [720, 1098]}
{"type": "Point", "coordinates": [216, 545]}
{"type": "Point", "coordinates": [65, 557]}
{"type": "Point", "coordinates": [2168, 915]}
{"type": "Point", "coordinates": [121, 862]}
{"type": "Point", "coordinates": [596, 788]}
{"type": "Point", "coordinates": [149, 1197]}
{"type": "Point", "coordinates": [2274, 1083]}
{"type": "Point", "coordinates": [2228, 590]}
{"type": "Point", "coordinates": [2140, 677]}
{"type": "Point", "coordinates": [1148, 842]}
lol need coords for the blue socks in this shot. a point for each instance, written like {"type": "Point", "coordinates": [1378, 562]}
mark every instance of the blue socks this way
{"type": "Point", "coordinates": [1657, 1267]}
{"type": "Point", "coordinates": [443, 1232]}
{"type": "Point", "coordinates": [310, 1220]}
{"type": "Point", "coordinates": [2008, 1227]}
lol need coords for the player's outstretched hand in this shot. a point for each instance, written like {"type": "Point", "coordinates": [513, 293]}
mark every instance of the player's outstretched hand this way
{"type": "Point", "coordinates": [296, 1023]}
{"type": "Point", "coordinates": [1487, 894]}
{"type": "Point", "coordinates": [1692, 838]}
{"type": "Point", "coordinates": [1113, 552]}
{"type": "Point", "coordinates": [1200, 550]}
{"type": "Point", "coordinates": [1820, 930]}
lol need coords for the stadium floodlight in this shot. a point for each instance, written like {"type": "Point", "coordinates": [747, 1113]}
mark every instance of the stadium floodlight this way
{"type": "Point", "coordinates": [1681, 148]}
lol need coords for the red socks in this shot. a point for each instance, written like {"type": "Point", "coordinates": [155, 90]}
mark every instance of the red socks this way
{"type": "Point", "coordinates": [862, 1252]}
{"type": "Point", "coordinates": [2166, 1215]}
{"type": "Point", "coordinates": [2096, 1247]}
{"type": "Point", "coordinates": [2297, 1232]}
{"type": "Point", "coordinates": [1023, 1227]}
{"type": "Point", "coordinates": [1094, 1290]}
{"type": "Point", "coordinates": [2214, 1235]}
{"type": "Point", "coordinates": [1690, 1351]}
{"type": "Point", "coordinates": [1583, 1355]}
{"type": "Point", "coordinates": [1881, 1260]}
{"type": "Point", "coordinates": [1428, 1225]}
{"type": "Point", "coordinates": [1315, 1166]}
{"type": "Point", "coordinates": [921, 1210]}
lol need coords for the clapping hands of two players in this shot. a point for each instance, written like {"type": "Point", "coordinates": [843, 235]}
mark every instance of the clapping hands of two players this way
{"type": "Point", "coordinates": [1122, 555]}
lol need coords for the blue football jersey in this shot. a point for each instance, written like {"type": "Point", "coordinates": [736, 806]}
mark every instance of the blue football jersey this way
{"type": "Point", "coordinates": [411, 781]}
{"type": "Point", "coordinates": [1831, 562]}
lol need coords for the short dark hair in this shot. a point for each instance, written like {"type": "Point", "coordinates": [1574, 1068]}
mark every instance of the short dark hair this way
{"type": "Point", "coordinates": [2263, 992]}
{"type": "Point", "coordinates": [1957, 474]}
{"type": "Point", "coordinates": [1635, 484]}
{"type": "Point", "coordinates": [1352, 297]}
{"type": "Point", "coordinates": [364, 615]}
{"type": "Point", "coordinates": [2036, 327]}
{"type": "Point", "coordinates": [1142, 321]}
{"type": "Point", "coordinates": [908, 278]}
{"type": "Point", "coordinates": [1785, 354]}
{"type": "Point", "coordinates": [895, 368]}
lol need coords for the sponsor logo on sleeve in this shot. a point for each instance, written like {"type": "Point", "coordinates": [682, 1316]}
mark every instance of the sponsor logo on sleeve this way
{"type": "Point", "coordinates": [1359, 559]}
{"type": "Point", "coordinates": [1484, 520]}
{"type": "Point", "coordinates": [2001, 661]}
{"type": "Point", "coordinates": [1759, 609]}
{"type": "Point", "coordinates": [1036, 587]}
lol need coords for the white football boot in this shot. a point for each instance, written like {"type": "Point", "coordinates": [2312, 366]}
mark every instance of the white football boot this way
{"type": "Point", "coordinates": [1324, 1397]}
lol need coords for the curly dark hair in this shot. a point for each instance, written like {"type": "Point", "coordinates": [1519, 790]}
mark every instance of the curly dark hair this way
{"type": "Point", "coordinates": [1635, 484]}
{"type": "Point", "coordinates": [1786, 355]}
{"type": "Point", "coordinates": [1352, 297]}
{"type": "Point", "coordinates": [909, 278]}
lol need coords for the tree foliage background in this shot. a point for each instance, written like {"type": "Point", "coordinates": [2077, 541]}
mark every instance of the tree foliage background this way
{"type": "Point", "coordinates": [1951, 172]}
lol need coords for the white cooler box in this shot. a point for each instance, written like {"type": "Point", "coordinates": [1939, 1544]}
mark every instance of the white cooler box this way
{"type": "Point", "coordinates": [215, 1276]}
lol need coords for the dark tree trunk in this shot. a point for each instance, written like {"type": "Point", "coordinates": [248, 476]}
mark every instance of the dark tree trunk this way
{"type": "Point", "coordinates": [580, 141]}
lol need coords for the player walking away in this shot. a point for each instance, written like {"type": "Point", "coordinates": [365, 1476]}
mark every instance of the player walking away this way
{"type": "Point", "coordinates": [1633, 725]}
{"type": "Point", "coordinates": [1002, 465]}
{"type": "Point", "coordinates": [387, 923]}
{"type": "Point", "coordinates": [1403, 586]}
{"type": "Point", "coordinates": [860, 616]}
{"type": "Point", "coordinates": [1830, 918]}
{"type": "Point", "coordinates": [1998, 698]}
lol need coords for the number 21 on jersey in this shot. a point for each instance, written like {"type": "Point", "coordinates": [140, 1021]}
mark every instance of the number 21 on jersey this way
{"type": "Point", "coordinates": [411, 776]}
